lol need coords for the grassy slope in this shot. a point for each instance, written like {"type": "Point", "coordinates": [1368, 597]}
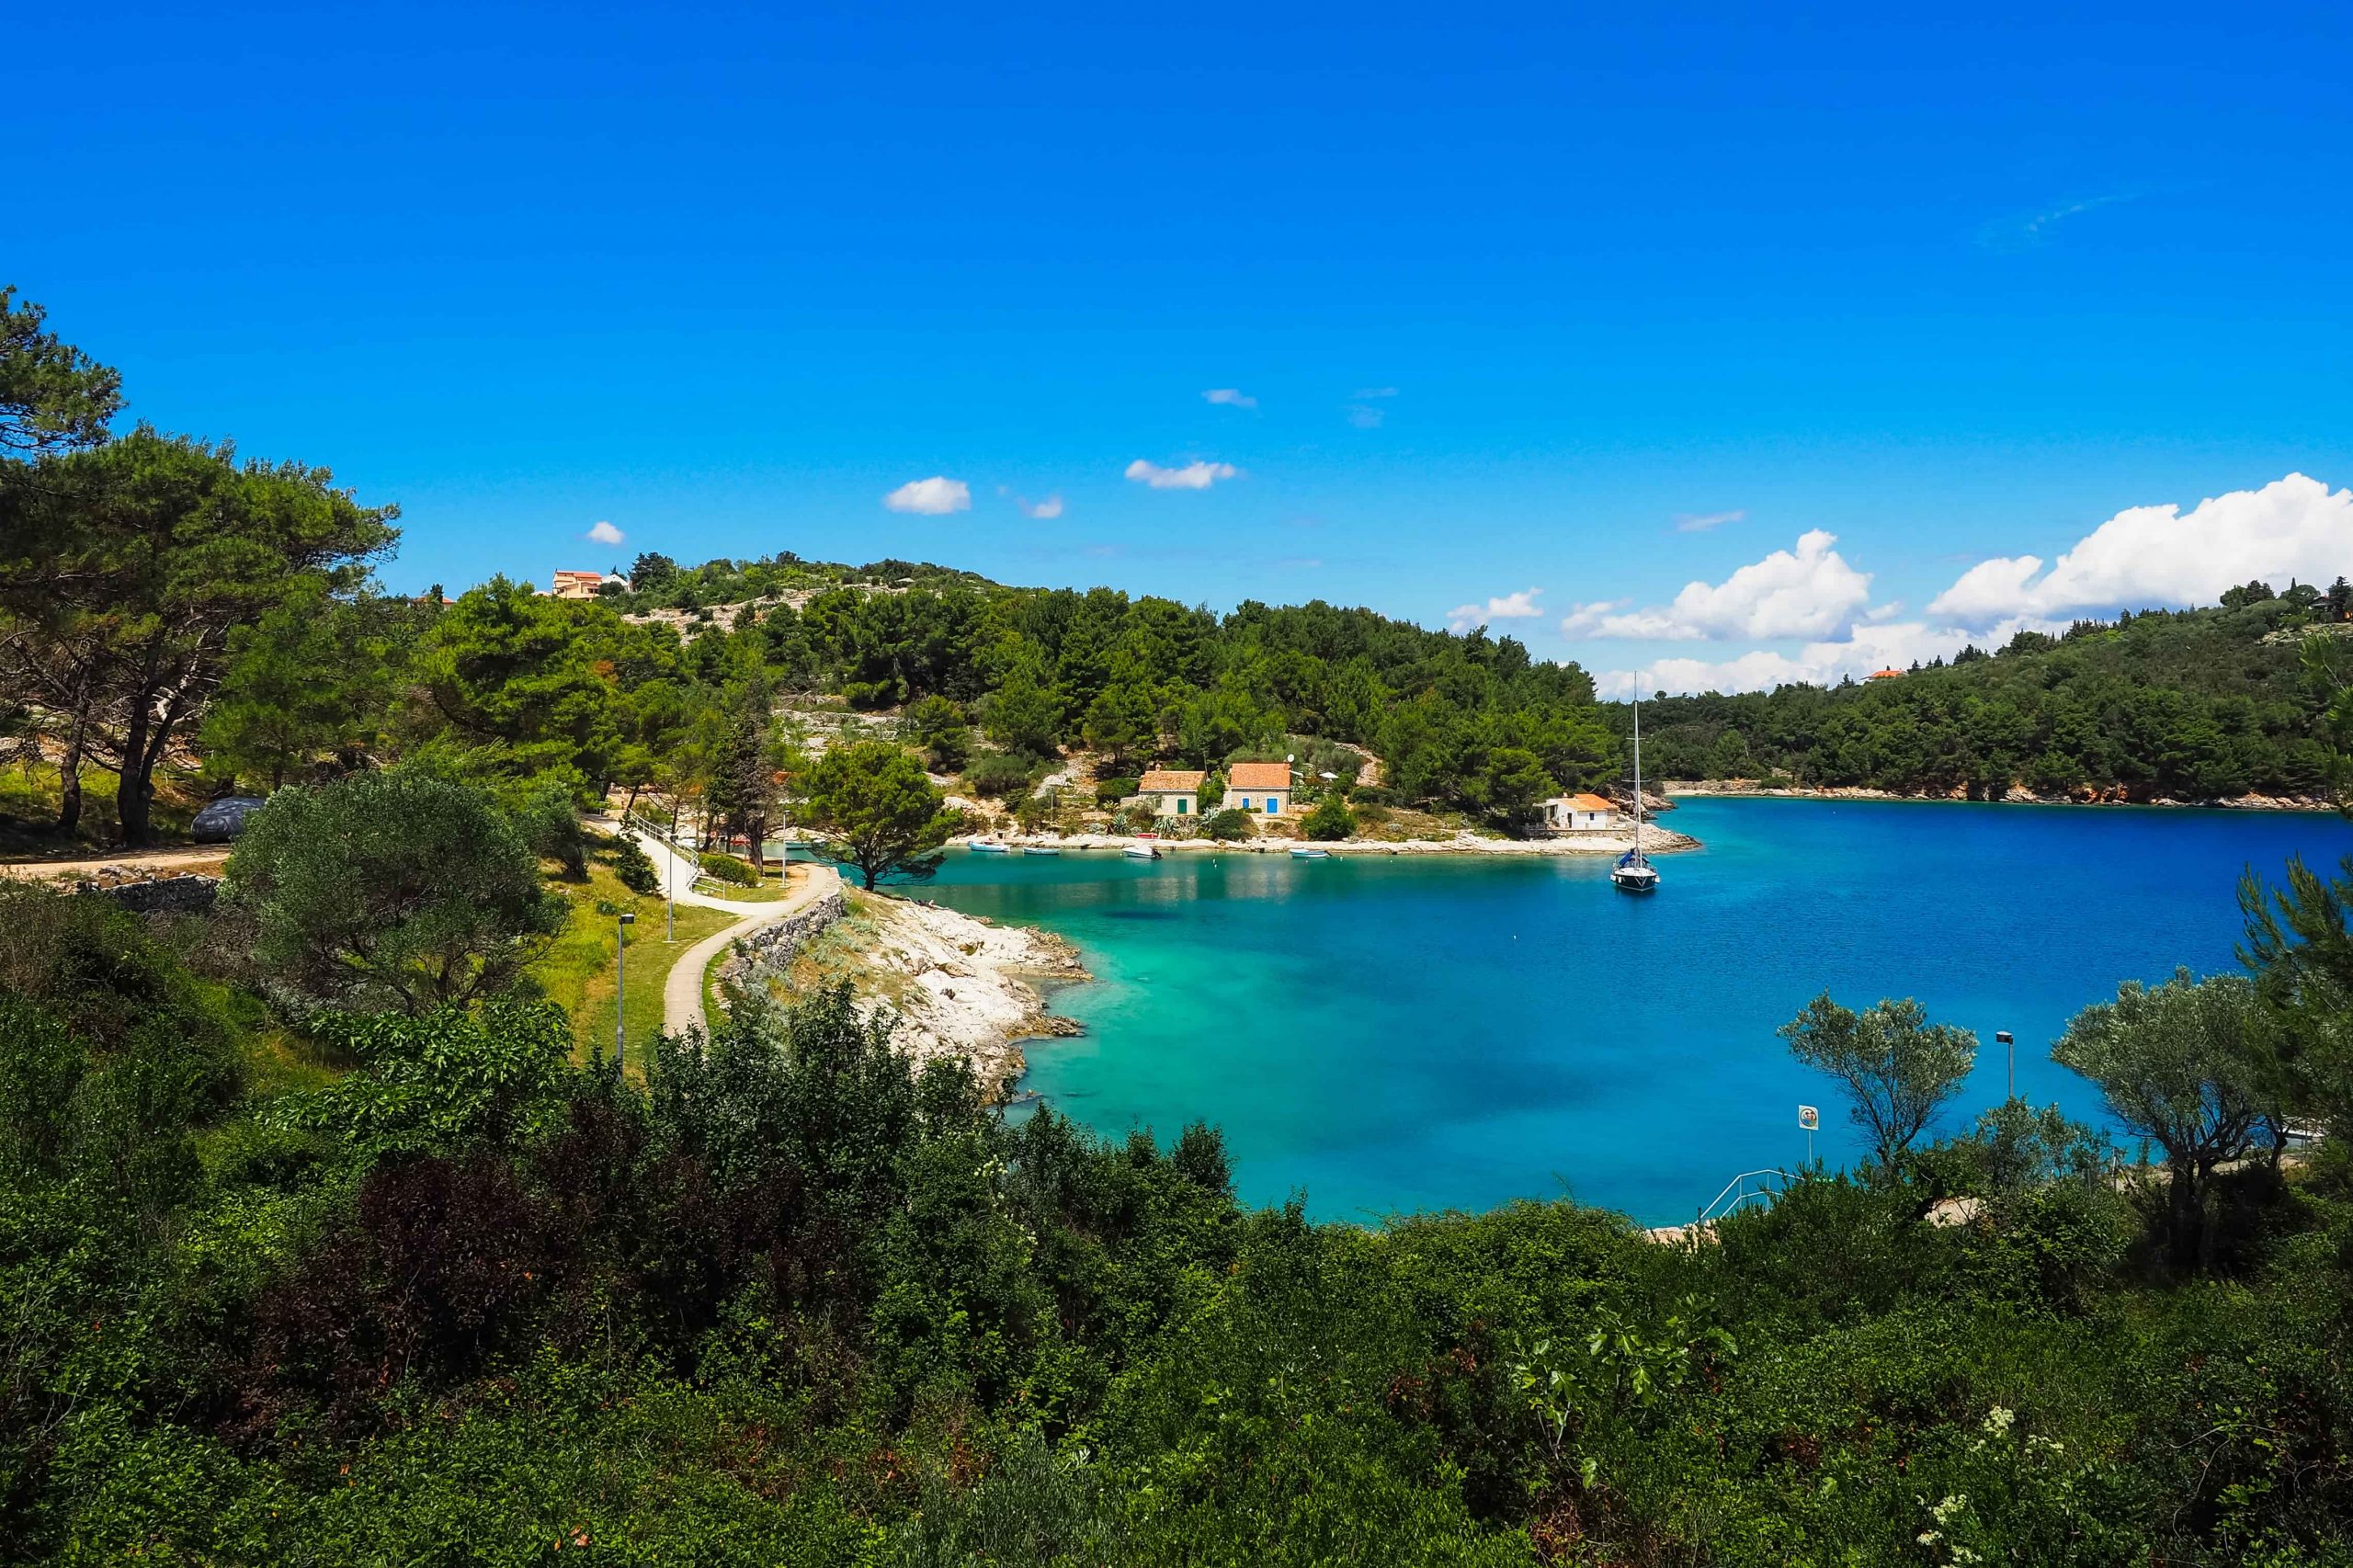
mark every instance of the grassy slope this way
{"type": "Point", "coordinates": [577, 968]}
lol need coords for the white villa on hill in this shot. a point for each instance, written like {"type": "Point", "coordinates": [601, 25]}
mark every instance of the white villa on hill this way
{"type": "Point", "coordinates": [1261, 787]}
{"type": "Point", "coordinates": [1173, 791]}
{"type": "Point", "coordinates": [1579, 813]}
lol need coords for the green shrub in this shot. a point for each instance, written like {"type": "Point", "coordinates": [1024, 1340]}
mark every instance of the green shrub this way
{"type": "Point", "coordinates": [1111, 792]}
{"type": "Point", "coordinates": [728, 869]}
{"type": "Point", "coordinates": [635, 868]}
{"type": "Point", "coordinates": [1231, 824]}
{"type": "Point", "coordinates": [997, 775]}
{"type": "Point", "coordinates": [1330, 820]}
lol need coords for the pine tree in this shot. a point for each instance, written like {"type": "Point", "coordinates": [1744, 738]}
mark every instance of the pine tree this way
{"type": "Point", "coordinates": [743, 790]}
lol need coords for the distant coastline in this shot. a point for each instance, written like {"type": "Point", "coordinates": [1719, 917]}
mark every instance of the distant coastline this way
{"type": "Point", "coordinates": [1655, 840]}
{"type": "Point", "coordinates": [2017, 796]}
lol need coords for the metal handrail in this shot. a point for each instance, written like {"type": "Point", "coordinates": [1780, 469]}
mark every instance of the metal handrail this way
{"type": "Point", "coordinates": [1738, 1190]}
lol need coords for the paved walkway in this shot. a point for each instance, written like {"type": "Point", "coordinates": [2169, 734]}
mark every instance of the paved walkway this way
{"type": "Point", "coordinates": [682, 993]}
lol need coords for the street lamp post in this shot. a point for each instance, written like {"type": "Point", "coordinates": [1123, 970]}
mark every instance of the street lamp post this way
{"type": "Point", "coordinates": [2003, 1037]}
{"type": "Point", "coordinates": [620, 987]}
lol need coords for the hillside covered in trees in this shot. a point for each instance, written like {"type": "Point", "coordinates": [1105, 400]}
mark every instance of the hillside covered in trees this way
{"type": "Point", "coordinates": [178, 621]}
{"type": "Point", "coordinates": [323, 1240]}
{"type": "Point", "coordinates": [2193, 705]}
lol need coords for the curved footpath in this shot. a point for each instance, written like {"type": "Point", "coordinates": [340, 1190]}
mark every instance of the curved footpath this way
{"type": "Point", "coordinates": [682, 993]}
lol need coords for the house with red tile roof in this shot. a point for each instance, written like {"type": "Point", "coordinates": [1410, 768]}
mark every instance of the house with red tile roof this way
{"type": "Point", "coordinates": [1261, 787]}
{"type": "Point", "coordinates": [1579, 813]}
{"type": "Point", "coordinates": [1173, 791]}
{"type": "Point", "coordinates": [581, 584]}
{"type": "Point", "coordinates": [1889, 674]}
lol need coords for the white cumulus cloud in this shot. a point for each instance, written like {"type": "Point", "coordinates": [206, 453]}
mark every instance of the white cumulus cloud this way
{"type": "Point", "coordinates": [933, 497]}
{"type": "Point", "coordinates": [2148, 556]}
{"type": "Point", "coordinates": [1232, 397]}
{"type": "Point", "coordinates": [1194, 475]}
{"type": "Point", "coordinates": [1808, 592]}
{"type": "Point", "coordinates": [1051, 507]}
{"type": "Point", "coordinates": [1865, 649]}
{"type": "Point", "coordinates": [604, 533]}
{"type": "Point", "coordinates": [1521, 606]}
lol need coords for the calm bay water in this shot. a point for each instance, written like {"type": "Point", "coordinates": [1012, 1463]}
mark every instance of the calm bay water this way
{"type": "Point", "coordinates": [1390, 1034]}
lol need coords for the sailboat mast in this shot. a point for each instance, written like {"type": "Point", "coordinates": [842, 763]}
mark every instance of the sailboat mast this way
{"type": "Point", "coordinates": [1638, 765]}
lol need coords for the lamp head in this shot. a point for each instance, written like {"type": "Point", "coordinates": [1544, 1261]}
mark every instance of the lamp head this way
{"type": "Point", "coordinates": [629, 919]}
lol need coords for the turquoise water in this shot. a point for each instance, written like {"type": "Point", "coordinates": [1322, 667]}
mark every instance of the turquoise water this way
{"type": "Point", "coordinates": [1389, 1034]}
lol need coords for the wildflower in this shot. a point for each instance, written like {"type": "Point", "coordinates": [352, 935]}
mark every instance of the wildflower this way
{"type": "Point", "coordinates": [1947, 1511]}
{"type": "Point", "coordinates": [1997, 1420]}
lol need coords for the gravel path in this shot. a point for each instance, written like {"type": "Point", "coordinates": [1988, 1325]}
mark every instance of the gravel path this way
{"type": "Point", "coordinates": [177, 858]}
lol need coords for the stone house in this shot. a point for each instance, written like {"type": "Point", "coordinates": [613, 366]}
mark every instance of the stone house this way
{"type": "Point", "coordinates": [1172, 792]}
{"type": "Point", "coordinates": [1579, 813]}
{"type": "Point", "coordinates": [1261, 787]}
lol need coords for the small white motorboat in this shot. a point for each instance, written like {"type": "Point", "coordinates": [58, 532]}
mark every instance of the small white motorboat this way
{"type": "Point", "coordinates": [1304, 852]}
{"type": "Point", "coordinates": [1040, 850]}
{"type": "Point", "coordinates": [984, 846]}
{"type": "Point", "coordinates": [1142, 852]}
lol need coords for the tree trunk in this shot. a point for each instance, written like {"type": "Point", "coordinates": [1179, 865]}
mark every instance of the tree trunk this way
{"type": "Point", "coordinates": [69, 781]}
{"type": "Point", "coordinates": [133, 795]}
{"type": "Point", "coordinates": [2186, 1233]}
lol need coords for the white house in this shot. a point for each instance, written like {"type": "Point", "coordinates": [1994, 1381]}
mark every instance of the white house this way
{"type": "Point", "coordinates": [1173, 791]}
{"type": "Point", "coordinates": [1579, 813]}
{"type": "Point", "coordinates": [1261, 787]}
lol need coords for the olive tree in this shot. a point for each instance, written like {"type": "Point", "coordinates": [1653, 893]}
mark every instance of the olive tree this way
{"type": "Point", "coordinates": [2181, 1064]}
{"type": "Point", "coordinates": [1896, 1069]}
{"type": "Point", "coordinates": [390, 890]}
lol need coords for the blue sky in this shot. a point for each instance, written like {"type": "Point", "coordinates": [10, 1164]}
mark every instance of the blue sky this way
{"type": "Point", "coordinates": [1515, 297]}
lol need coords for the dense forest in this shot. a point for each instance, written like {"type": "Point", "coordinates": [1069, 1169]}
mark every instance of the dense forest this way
{"type": "Point", "coordinates": [323, 1240]}
{"type": "Point", "coordinates": [2192, 704]}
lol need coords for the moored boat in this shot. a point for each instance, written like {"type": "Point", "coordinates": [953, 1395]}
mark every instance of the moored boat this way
{"type": "Point", "coordinates": [1142, 852]}
{"type": "Point", "coordinates": [985, 846]}
{"type": "Point", "coordinates": [1040, 850]}
{"type": "Point", "coordinates": [1302, 852]}
{"type": "Point", "coordinates": [1633, 872]}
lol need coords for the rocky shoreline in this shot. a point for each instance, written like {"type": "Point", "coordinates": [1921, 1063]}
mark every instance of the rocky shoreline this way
{"type": "Point", "coordinates": [2018, 795]}
{"type": "Point", "coordinates": [962, 985]}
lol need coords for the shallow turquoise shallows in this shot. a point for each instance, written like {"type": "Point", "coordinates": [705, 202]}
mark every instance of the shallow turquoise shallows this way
{"type": "Point", "coordinates": [1387, 1035]}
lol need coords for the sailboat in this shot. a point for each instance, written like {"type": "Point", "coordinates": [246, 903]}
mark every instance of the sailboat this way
{"type": "Point", "coordinates": [1633, 872]}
